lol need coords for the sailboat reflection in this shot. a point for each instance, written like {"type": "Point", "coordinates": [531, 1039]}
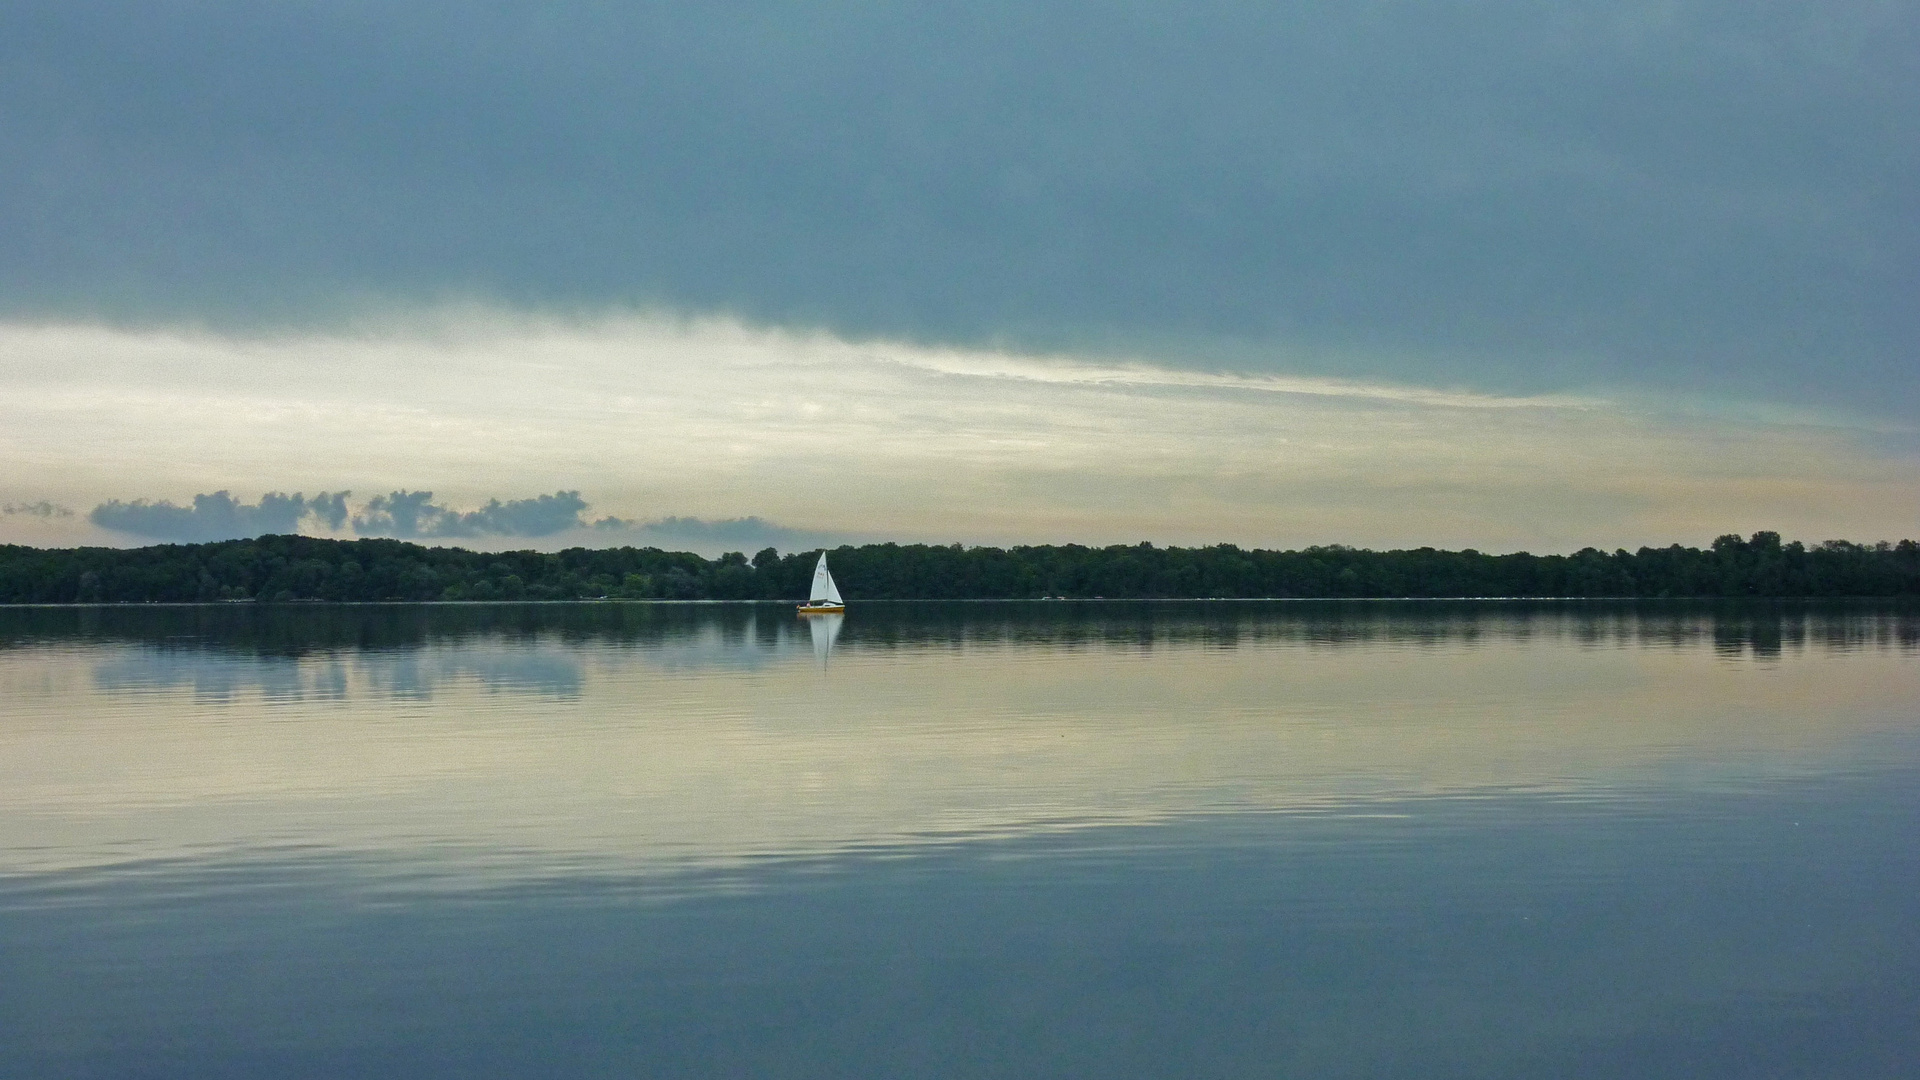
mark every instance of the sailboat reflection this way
{"type": "Point", "coordinates": [824, 628]}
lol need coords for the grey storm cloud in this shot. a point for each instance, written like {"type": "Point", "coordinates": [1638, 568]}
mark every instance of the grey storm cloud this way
{"type": "Point", "coordinates": [219, 516]}
{"type": "Point", "coordinates": [1706, 195]}
{"type": "Point", "coordinates": [413, 514]}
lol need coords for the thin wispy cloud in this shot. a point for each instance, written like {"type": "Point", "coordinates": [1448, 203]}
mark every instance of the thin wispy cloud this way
{"type": "Point", "coordinates": [43, 509]}
{"type": "Point", "coordinates": [1148, 376]}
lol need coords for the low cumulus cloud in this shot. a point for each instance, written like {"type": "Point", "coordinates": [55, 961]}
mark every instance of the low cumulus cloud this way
{"type": "Point", "coordinates": [404, 514]}
{"type": "Point", "coordinates": [219, 516]}
{"type": "Point", "coordinates": [726, 534]}
{"type": "Point", "coordinates": [414, 514]}
{"type": "Point", "coordinates": [42, 509]}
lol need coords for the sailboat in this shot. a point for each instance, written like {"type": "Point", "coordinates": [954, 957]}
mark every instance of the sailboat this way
{"type": "Point", "coordinates": [824, 598]}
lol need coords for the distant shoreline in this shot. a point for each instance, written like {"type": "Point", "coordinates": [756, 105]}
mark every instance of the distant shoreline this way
{"type": "Point", "coordinates": [614, 601]}
{"type": "Point", "coordinates": [301, 569]}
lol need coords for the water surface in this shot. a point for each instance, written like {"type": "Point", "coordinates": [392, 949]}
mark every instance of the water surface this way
{"type": "Point", "coordinates": [1043, 839]}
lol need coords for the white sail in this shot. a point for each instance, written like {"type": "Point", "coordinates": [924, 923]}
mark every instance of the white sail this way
{"type": "Point", "coordinates": [823, 587]}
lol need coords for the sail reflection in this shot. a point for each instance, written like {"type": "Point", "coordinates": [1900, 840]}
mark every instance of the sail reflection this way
{"type": "Point", "coordinates": [824, 630]}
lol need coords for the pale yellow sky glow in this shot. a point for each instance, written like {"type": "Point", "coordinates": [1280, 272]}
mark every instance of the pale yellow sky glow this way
{"type": "Point", "coordinates": [653, 416]}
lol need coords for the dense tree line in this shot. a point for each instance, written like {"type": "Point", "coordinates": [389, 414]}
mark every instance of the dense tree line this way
{"type": "Point", "coordinates": [287, 568]}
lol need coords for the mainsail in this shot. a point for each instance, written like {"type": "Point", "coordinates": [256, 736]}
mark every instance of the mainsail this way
{"type": "Point", "coordinates": [823, 587]}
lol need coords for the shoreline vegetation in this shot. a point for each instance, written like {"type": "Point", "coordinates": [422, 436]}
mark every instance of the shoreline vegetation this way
{"type": "Point", "coordinates": [302, 568]}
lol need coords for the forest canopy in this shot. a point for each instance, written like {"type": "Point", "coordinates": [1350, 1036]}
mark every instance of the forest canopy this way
{"type": "Point", "coordinates": [296, 568]}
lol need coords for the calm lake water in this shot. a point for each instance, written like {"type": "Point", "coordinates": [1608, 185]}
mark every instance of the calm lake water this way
{"type": "Point", "coordinates": [967, 840]}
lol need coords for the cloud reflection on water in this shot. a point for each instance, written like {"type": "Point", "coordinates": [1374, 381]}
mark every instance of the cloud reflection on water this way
{"type": "Point", "coordinates": [509, 742]}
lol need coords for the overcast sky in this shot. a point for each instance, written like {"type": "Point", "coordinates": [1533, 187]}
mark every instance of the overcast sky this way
{"type": "Point", "coordinates": [1490, 273]}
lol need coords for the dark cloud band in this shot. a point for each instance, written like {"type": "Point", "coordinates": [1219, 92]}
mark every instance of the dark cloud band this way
{"type": "Point", "coordinates": [1709, 194]}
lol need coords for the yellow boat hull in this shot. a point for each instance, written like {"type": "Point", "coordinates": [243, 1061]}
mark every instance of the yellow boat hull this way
{"type": "Point", "coordinates": [822, 609]}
